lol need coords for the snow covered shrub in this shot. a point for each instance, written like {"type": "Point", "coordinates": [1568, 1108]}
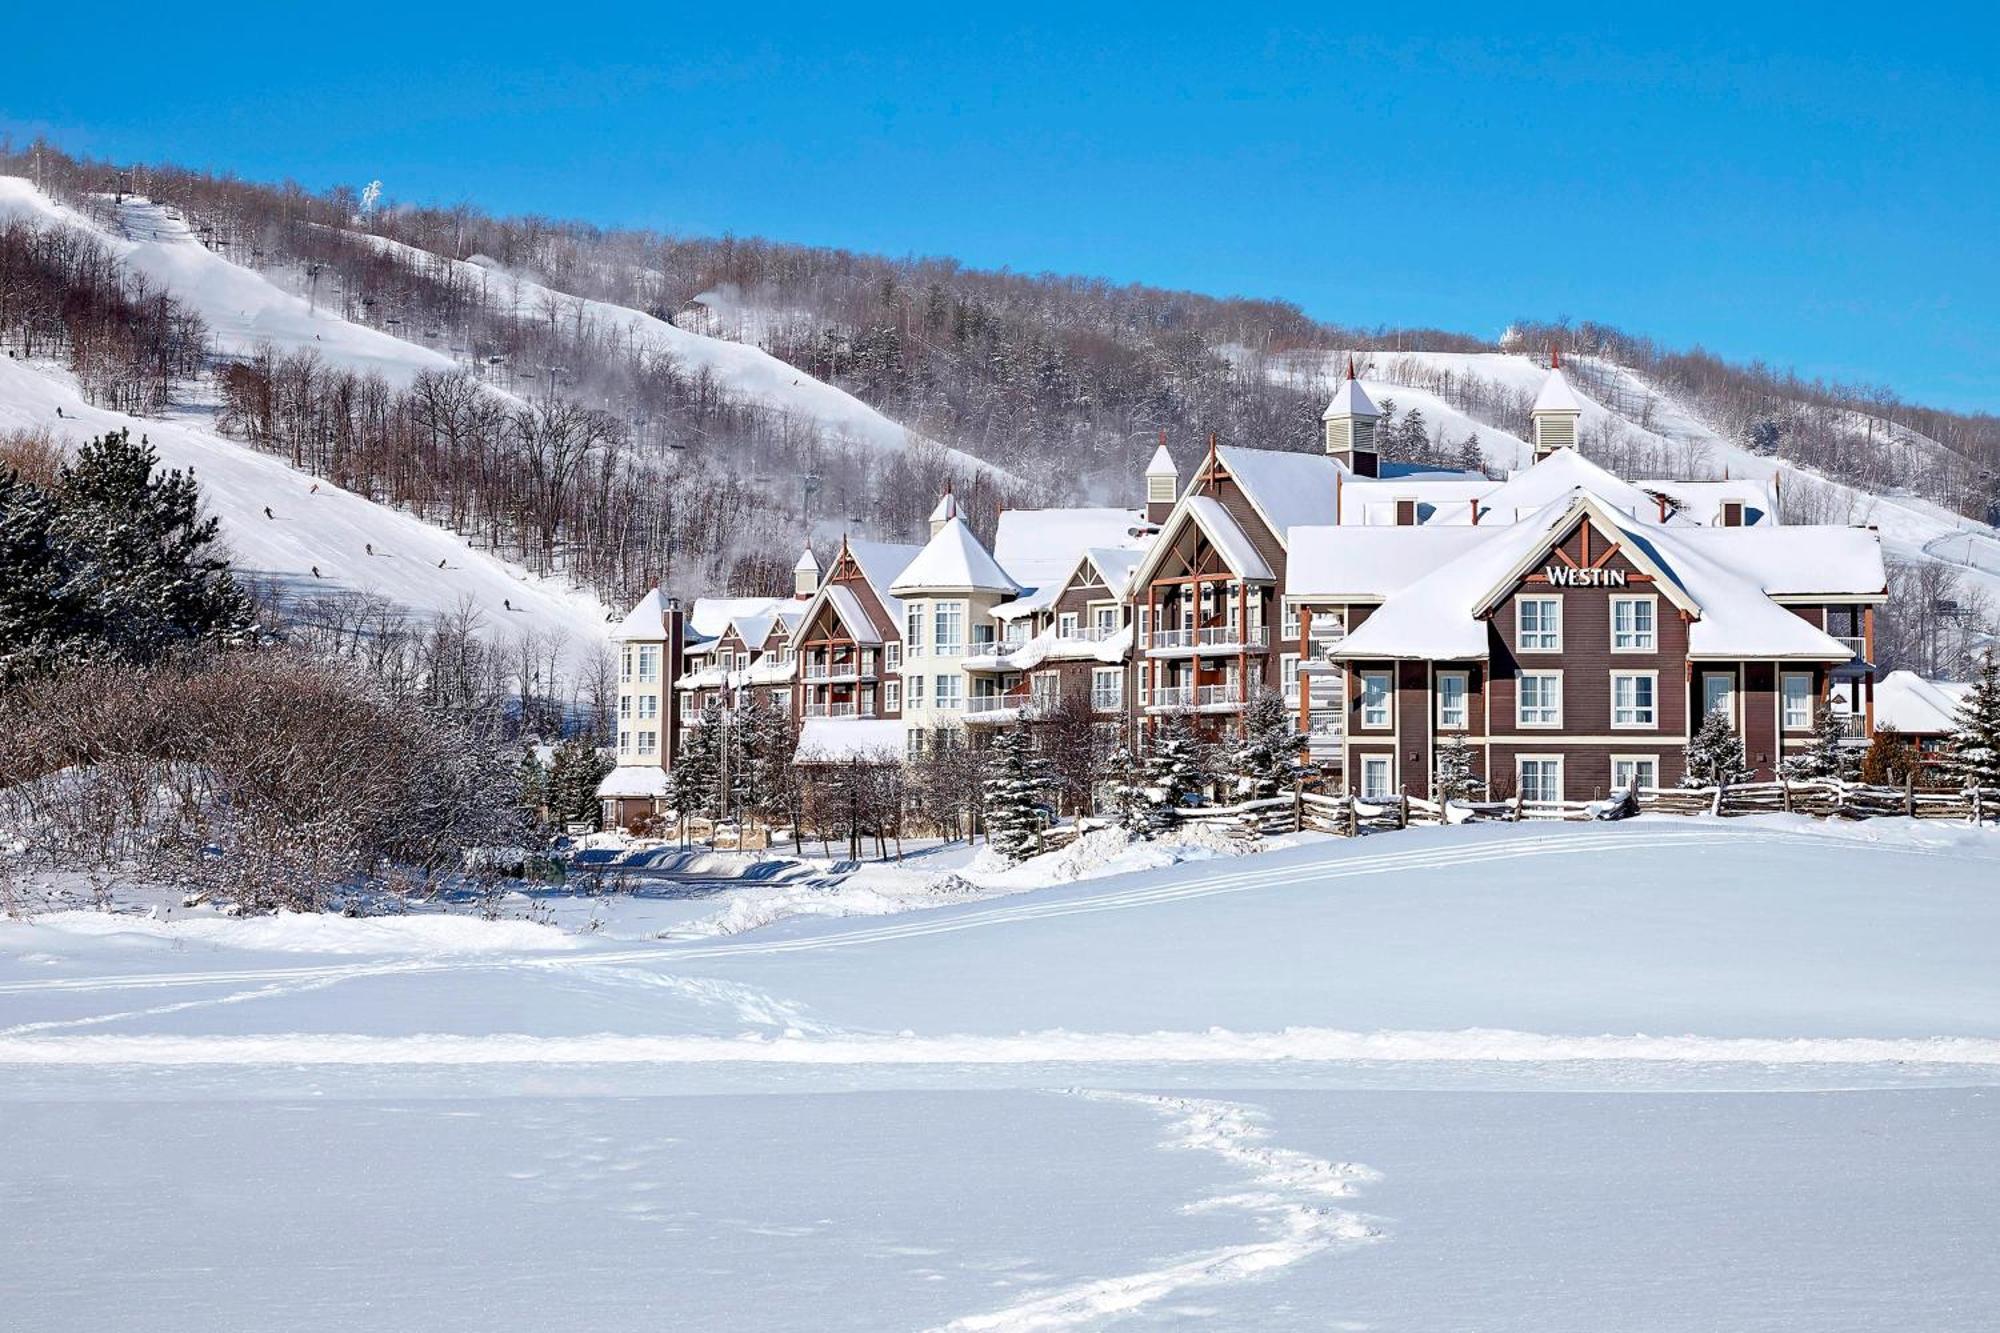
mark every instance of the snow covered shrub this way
{"type": "Point", "coordinates": [1715, 754]}
{"type": "Point", "coordinates": [1828, 758]}
{"type": "Point", "coordinates": [1134, 805]}
{"type": "Point", "coordinates": [1266, 760]}
{"type": "Point", "coordinates": [1455, 779]}
{"type": "Point", "coordinates": [1016, 781]}
{"type": "Point", "coordinates": [1180, 764]}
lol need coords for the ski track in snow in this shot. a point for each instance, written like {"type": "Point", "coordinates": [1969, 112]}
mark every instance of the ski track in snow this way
{"type": "Point", "coordinates": [1290, 1195]}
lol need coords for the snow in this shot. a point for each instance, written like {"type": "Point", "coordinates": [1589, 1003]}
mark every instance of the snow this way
{"type": "Point", "coordinates": [880, 563]}
{"type": "Point", "coordinates": [1918, 707]}
{"type": "Point", "coordinates": [953, 561]}
{"type": "Point", "coordinates": [646, 620]}
{"type": "Point", "coordinates": [634, 780]}
{"type": "Point", "coordinates": [1364, 563]}
{"type": "Point", "coordinates": [1161, 464]}
{"type": "Point", "coordinates": [1667, 1073]}
{"type": "Point", "coordinates": [1557, 397]}
{"type": "Point", "coordinates": [830, 739]}
{"type": "Point", "coordinates": [1286, 489]}
{"type": "Point", "coordinates": [738, 368]}
{"type": "Point", "coordinates": [852, 614]}
{"type": "Point", "coordinates": [1230, 540]}
{"type": "Point", "coordinates": [1350, 400]}
{"type": "Point", "coordinates": [1040, 546]}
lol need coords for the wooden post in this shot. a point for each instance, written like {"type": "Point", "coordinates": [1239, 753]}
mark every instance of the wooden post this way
{"type": "Point", "coordinates": [1298, 804]}
{"type": "Point", "coordinates": [1520, 805]}
{"type": "Point", "coordinates": [1910, 792]}
{"type": "Point", "coordinates": [1353, 817]}
{"type": "Point", "coordinates": [1403, 808]}
{"type": "Point", "coordinates": [1785, 792]}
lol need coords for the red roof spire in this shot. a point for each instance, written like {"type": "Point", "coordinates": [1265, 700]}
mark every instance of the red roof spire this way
{"type": "Point", "coordinates": [1350, 365]}
{"type": "Point", "coordinates": [1555, 357]}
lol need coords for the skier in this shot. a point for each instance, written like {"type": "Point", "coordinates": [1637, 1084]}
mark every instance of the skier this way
{"type": "Point", "coordinates": [368, 547]}
{"type": "Point", "coordinates": [315, 570]}
{"type": "Point", "coordinates": [268, 513]}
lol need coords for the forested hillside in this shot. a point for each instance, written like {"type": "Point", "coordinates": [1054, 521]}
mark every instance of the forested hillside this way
{"type": "Point", "coordinates": [583, 416]}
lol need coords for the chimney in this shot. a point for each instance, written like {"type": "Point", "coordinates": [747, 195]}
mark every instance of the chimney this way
{"type": "Point", "coordinates": [672, 667]}
{"type": "Point", "coordinates": [805, 574]}
{"type": "Point", "coordinates": [1475, 512]}
{"type": "Point", "coordinates": [1163, 484]}
{"type": "Point", "coordinates": [1349, 422]}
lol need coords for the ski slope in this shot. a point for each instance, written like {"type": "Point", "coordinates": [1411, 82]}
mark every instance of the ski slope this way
{"type": "Point", "coordinates": [742, 369]}
{"type": "Point", "coordinates": [1671, 1074]}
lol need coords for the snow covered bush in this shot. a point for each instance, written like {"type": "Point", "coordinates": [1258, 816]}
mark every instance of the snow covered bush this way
{"type": "Point", "coordinates": [1266, 760]}
{"type": "Point", "coordinates": [1973, 756]}
{"type": "Point", "coordinates": [1456, 779]}
{"type": "Point", "coordinates": [1016, 782]}
{"type": "Point", "coordinates": [1180, 764]}
{"type": "Point", "coordinates": [1715, 754]}
{"type": "Point", "coordinates": [1133, 804]}
{"type": "Point", "coordinates": [1828, 758]}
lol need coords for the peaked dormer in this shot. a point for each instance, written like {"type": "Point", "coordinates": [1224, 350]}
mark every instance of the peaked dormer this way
{"type": "Point", "coordinates": [805, 574]}
{"type": "Point", "coordinates": [1556, 412]}
{"type": "Point", "coordinates": [1163, 483]}
{"type": "Point", "coordinates": [1350, 427]}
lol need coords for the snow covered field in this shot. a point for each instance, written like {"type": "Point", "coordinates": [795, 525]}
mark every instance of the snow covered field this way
{"type": "Point", "coordinates": [1672, 1074]}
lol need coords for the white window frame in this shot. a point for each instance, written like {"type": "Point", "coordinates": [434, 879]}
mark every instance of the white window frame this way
{"type": "Point", "coordinates": [625, 663]}
{"type": "Point", "coordinates": [648, 744]}
{"type": "Point", "coordinates": [913, 628]}
{"type": "Point", "coordinates": [1521, 763]}
{"type": "Point", "coordinates": [1107, 681]}
{"type": "Point", "coordinates": [1067, 625]}
{"type": "Point", "coordinates": [892, 696]}
{"type": "Point", "coordinates": [1288, 676]}
{"type": "Point", "coordinates": [625, 741]}
{"type": "Point", "coordinates": [1730, 711]}
{"type": "Point", "coordinates": [916, 690]}
{"type": "Point", "coordinates": [1387, 701]}
{"type": "Point", "coordinates": [649, 663]}
{"type": "Point", "coordinates": [1377, 763]}
{"type": "Point", "coordinates": [948, 693]}
{"type": "Point", "coordinates": [1104, 617]}
{"type": "Point", "coordinates": [1464, 722]}
{"type": "Point", "coordinates": [1521, 700]}
{"type": "Point", "coordinates": [625, 707]}
{"type": "Point", "coordinates": [649, 707]}
{"type": "Point", "coordinates": [892, 657]}
{"type": "Point", "coordinates": [1291, 625]}
{"type": "Point", "coordinates": [1521, 644]}
{"type": "Point", "coordinates": [1652, 720]}
{"type": "Point", "coordinates": [1785, 701]}
{"type": "Point", "coordinates": [1648, 642]}
{"type": "Point", "coordinates": [950, 615]}
{"type": "Point", "coordinates": [1650, 759]}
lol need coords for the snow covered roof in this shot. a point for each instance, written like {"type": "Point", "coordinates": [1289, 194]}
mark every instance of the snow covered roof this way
{"type": "Point", "coordinates": [754, 629]}
{"type": "Point", "coordinates": [1287, 489]}
{"type": "Point", "coordinates": [1918, 707]}
{"type": "Point", "coordinates": [824, 740]}
{"type": "Point", "coordinates": [947, 507]}
{"type": "Point", "coordinates": [851, 612]}
{"type": "Point", "coordinates": [1700, 502]}
{"type": "Point", "coordinates": [1116, 564]}
{"type": "Point", "coordinates": [1797, 562]}
{"type": "Point", "coordinates": [1036, 546]}
{"type": "Point", "coordinates": [1162, 464]}
{"type": "Point", "coordinates": [1358, 563]}
{"type": "Point", "coordinates": [633, 780]}
{"type": "Point", "coordinates": [1440, 616]}
{"type": "Point", "coordinates": [1556, 395]}
{"type": "Point", "coordinates": [1214, 519]}
{"type": "Point", "coordinates": [709, 617]}
{"type": "Point", "coordinates": [1554, 477]}
{"type": "Point", "coordinates": [807, 560]}
{"type": "Point", "coordinates": [954, 559]}
{"type": "Point", "coordinates": [1350, 400]}
{"type": "Point", "coordinates": [647, 620]}
{"type": "Point", "coordinates": [1440, 497]}
{"type": "Point", "coordinates": [880, 563]}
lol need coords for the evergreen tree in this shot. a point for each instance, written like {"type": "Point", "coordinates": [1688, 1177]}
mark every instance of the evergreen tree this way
{"type": "Point", "coordinates": [1890, 760]}
{"type": "Point", "coordinates": [1179, 767]}
{"type": "Point", "coordinates": [1470, 457]}
{"type": "Point", "coordinates": [1972, 756]}
{"type": "Point", "coordinates": [1456, 779]}
{"type": "Point", "coordinates": [1133, 803]}
{"type": "Point", "coordinates": [1266, 761]}
{"type": "Point", "coordinates": [1415, 434]}
{"type": "Point", "coordinates": [698, 768]}
{"type": "Point", "coordinates": [569, 785]}
{"type": "Point", "coordinates": [1828, 758]}
{"type": "Point", "coordinates": [39, 607]}
{"type": "Point", "coordinates": [1715, 755]}
{"type": "Point", "coordinates": [1015, 780]}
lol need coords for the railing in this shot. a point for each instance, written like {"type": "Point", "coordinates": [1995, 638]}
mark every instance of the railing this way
{"type": "Point", "coordinates": [1854, 724]}
{"type": "Point", "coordinates": [1084, 634]}
{"type": "Point", "coordinates": [1857, 646]}
{"type": "Point", "coordinates": [1210, 636]}
{"type": "Point", "coordinates": [1218, 696]}
{"type": "Point", "coordinates": [840, 710]}
{"type": "Point", "coordinates": [994, 703]}
{"type": "Point", "coordinates": [835, 671]}
{"type": "Point", "coordinates": [1170, 696]}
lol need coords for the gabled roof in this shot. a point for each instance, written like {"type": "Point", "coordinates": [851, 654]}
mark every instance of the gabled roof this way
{"type": "Point", "coordinates": [633, 780]}
{"type": "Point", "coordinates": [880, 563]}
{"type": "Point", "coordinates": [1162, 464]}
{"type": "Point", "coordinates": [1221, 528]}
{"type": "Point", "coordinates": [753, 629]}
{"type": "Point", "coordinates": [1555, 477]}
{"type": "Point", "coordinates": [1700, 502]}
{"type": "Point", "coordinates": [807, 560]}
{"type": "Point", "coordinates": [953, 560]}
{"type": "Point", "coordinates": [1113, 565]}
{"type": "Point", "coordinates": [1352, 562]}
{"type": "Point", "coordinates": [1442, 498]}
{"type": "Point", "coordinates": [852, 613]}
{"type": "Point", "coordinates": [1286, 489]}
{"type": "Point", "coordinates": [1918, 707]}
{"type": "Point", "coordinates": [1036, 546]}
{"type": "Point", "coordinates": [1556, 395]}
{"type": "Point", "coordinates": [709, 617]}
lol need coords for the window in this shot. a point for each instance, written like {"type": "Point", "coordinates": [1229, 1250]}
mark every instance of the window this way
{"type": "Point", "coordinates": [1375, 777]}
{"type": "Point", "coordinates": [624, 740]}
{"type": "Point", "coordinates": [1541, 778]}
{"type": "Point", "coordinates": [950, 694]}
{"type": "Point", "coordinates": [1374, 698]}
{"type": "Point", "coordinates": [1629, 772]}
{"type": "Point", "coordinates": [948, 629]}
{"type": "Point", "coordinates": [648, 743]}
{"type": "Point", "coordinates": [1540, 700]}
{"type": "Point", "coordinates": [1632, 625]}
{"type": "Point", "coordinates": [913, 745]}
{"type": "Point", "coordinates": [892, 696]}
{"type": "Point", "coordinates": [782, 700]}
{"type": "Point", "coordinates": [1540, 624]}
{"type": "Point", "coordinates": [1718, 693]}
{"type": "Point", "coordinates": [916, 688]}
{"type": "Point", "coordinates": [649, 663]}
{"type": "Point", "coordinates": [1453, 692]}
{"type": "Point", "coordinates": [1066, 625]}
{"type": "Point", "coordinates": [624, 708]}
{"type": "Point", "coordinates": [1288, 676]}
{"type": "Point", "coordinates": [1798, 692]}
{"type": "Point", "coordinates": [1290, 629]}
{"type": "Point", "coordinates": [1106, 619]}
{"type": "Point", "coordinates": [625, 662]}
{"type": "Point", "coordinates": [649, 707]}
{"type": "Point", "coordinates": [1633, 699]}
{"type": "Point", "coordinates": [1107, 689]}
{"type": "Point", "coordinates": [913, 629]}
{"type": "Point", "coordinates": [892, 656]}
{"type": "Point", "coordinates": [1732, 513]}
{"type": "Point", "coordinates": [1043, 687]}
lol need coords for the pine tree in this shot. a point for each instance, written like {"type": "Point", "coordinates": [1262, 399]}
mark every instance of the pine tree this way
{"type": "Point", "coordinates": [1715, 755]}
{"type": "Point", "coordinates": [1265, 761]}
{"type": "Point", "coordinates": [1180, 765]}
{"type": "Point", "coordinates": [1471, 458]}
{"type": "Point", "coordinates": [1456, 779]}
{"type": "Point", "coordinates": [1828, 758]}
{"type": "Point", "coordinates": [1132, 802]}
{"type": "Point", "coordinates": [1972, 756]}
{"type": "Point", "coordinates": [698, 768]}
{"type": "Point", "coordinates": [39, 606]}
{"type": "Point", "coordinates": [1014, 784]}
{"type": "Point", "coordinates": [569, 785]}
{"type": "Point", "coordinates": [1890, 760]}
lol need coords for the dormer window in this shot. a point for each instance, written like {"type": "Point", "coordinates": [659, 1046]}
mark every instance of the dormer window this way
{"type": "Point", "coordinates": [1732, 513]}
{"type": "Point", "coordinates": [1406, 513]}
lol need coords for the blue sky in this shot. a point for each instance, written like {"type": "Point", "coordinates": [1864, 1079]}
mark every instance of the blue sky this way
{"type": "Point", "coordinates": [1812, 187]}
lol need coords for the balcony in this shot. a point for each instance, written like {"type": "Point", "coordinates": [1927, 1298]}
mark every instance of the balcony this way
{"type": "Point", "coordinates": [840, 710]}
{"type": "Point", "coordinates": [1857, 646]}
{"type": "Point", "coordinates": [837, 672]}
{"type": "Point", "coordinates": [1199, 698]}
{"type": "Point", "coordinates": [993, 709]}
{"type": "Point", "coordinates": [1207, 639]}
